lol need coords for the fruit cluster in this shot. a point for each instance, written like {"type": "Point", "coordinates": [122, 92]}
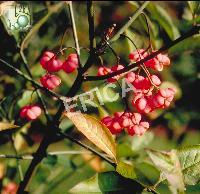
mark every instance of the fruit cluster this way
{"type": "Point", "coordinates": [147, 94]}
{"type": "Point", "coordinates": [156, 63]}
{"type": "Point", "coordinates": [131, 122]}
{"type": "Point", "coordinates": [50, 62]}
{"type": "Point", "coordinates": [106, 70]}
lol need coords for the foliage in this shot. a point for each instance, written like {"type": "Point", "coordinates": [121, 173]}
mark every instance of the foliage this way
{"type": "Point", "coordinates": [166, 159]}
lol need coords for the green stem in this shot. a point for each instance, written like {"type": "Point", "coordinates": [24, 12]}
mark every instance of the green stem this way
{"type": "Point", "coordinates": [90, 11]}
{"type": "Point", "coordinates": [53, 153]}
{"type": "Point", "coordinates": [131, 19]}
{"type": "Point", "coordinates": [18, 162]}
{"type": "Point", "coordinates": [20, 73]}
{"type": "Point", "coordinates": [74, 32]}
{"type": "Point", "coordinates": [37, 91]}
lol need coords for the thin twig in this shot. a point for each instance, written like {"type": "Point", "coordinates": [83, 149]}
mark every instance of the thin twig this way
{"type": "Point", "coordinates": [142, 65]}
{"type": "Point", "coordinates": [114, 53]}
{"type": "Point", "coordinates": [127, 24]}
{"type": "Point", "coordinates": [20, 73]}
{"type": "Point", "coordinates": [88, 148]}
{"type": "Point", "coordinates": [74, 31]}
{"type": "Point", "coordinates": [90, 11]}
{"type": "Point", "coordinates": [41, 152]}
{"type": "Point", "coordinates": [18, 162]}
{"type": "Point", "coordinates": [193, 31]}
{"type": "Point", "coordinates": [44, 107]}
{"type": "Point", "coordinates": [18, 157]}
{"type": "Point", "coordinates": [53, 153]}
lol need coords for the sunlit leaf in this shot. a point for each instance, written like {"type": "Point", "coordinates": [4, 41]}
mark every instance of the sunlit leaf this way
{"type": "Point", "coordinates": [26, 98]}
{"type": "Point", "coordinates": [95, 131]}
{"type": "Point", "coordinates": [194, 6]}
{"type": "Point", "coordinates": [146, 173]}
{"type": "Point", "coordinates": [108, 182]}
{"type": "Point", "coordinates": [126, 170]}
{"type": "Point", "coordinates": [89, 186]}
{"type": "Point", "coordinates": [169, 165]}
{"type": "Point", "coordinates": [6, 126]}
{"type": "Point", "coordinates": [186, 45]}
{"type": "Point", "coordinates": [189, 158]}
{"type": "Point", "coordinates": [19, 140]}
{"type": "Point", "coordinates": [161, 15]}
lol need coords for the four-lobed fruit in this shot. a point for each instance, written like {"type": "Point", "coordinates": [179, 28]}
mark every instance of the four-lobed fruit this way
{"type": "Point", "coordinates": [71, 63]}
{"type": "Point", "coordinates": [131, 122]}
{"type": "Point", "coordinates": [50, 81]}
{"type": "Point", "coordinates": [146, 103]}
{"type": "Point", "coordinates": [50, 62]}
{"type": "Point", "coordinates": [156, 63]}
{"type": "Point", "coordinates": [106, 70]}
{"type": "Point", "coordinates": [30, 112]}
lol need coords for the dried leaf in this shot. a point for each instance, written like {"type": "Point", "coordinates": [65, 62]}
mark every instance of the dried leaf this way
{"type": "Point", "coordinates": [6, 126]}
{"type": "Point", "coordinates": [95, 131]}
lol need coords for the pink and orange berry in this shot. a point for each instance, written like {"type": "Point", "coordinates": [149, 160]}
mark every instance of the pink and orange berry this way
{"type": "Point", "coordinates": [50, 62]}
{"type": "Point", "coordinates": [30, 112]}
{"type": "Point", "coordinates": [50, 81]}
{"type": "Point", "coordinates": [106, 70]}
{"type": "Point", "coordinates": [130, 122]}
{"type": "Point", "coordinates": [10, 188]}
{"type": "Point", "coordinates": [145, 99]}
{"type": "Point", "coordinates": [71, 63]}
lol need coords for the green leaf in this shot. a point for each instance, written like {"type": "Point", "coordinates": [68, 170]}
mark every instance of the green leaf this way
{"type": "Point", "coordinates": [124, 150]}
{"type": "Point", "coordinates": [162, 17]}
{"type": "Point", "coordinates": [108, 182]}
{"type": "Point", "coordinates": [189, 158]}
{"type": "Point", "coordinates": [19, 141]}
{"type": "Point", "coordinates": [146, 173]}
{"type": "Point", "coordinates": [126, 170]}
{"type": "Point", "coordinates": [129, 22]}
{"type": "Point", "coordinates": [89, 186]}
{"type": "Point", "coordinates": [168, 164]}
{"type": "Point", "coordinates": [137, 39]}
{"type": "Point", "coordinates": [26, 98]}
{"type": "Point", "coordinates": [95, 131]}
{"type": "Point", "coordinates": [186, 45]}
{"type": "Point", "coordinates": [141, 142]}
{"type": "Point", "coordinates": [194, 6]}
{"type": "Point", "coordinates": [7, 126]}
{"type": "Point", "coordinates": [50, 160]}
{"type": "Point", "coordinates": [112, 181]}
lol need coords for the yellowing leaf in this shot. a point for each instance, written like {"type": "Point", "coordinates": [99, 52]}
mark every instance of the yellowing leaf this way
{"type": "Point", "coordinates": [5, 126]}
{"type": "Point", "coordinates": [19, 141]}
{"type": "Point", "coordinates": [95, 131]}
{"type": "Point", "coordinates": [126, 170]}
